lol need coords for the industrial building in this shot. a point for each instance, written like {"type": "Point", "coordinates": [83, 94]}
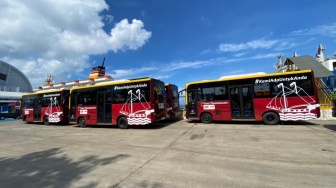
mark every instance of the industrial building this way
{"type": "Point", "coordinates": [13, 83]}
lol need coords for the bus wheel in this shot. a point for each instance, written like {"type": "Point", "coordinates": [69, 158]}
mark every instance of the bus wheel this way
{"type": "Point", "coordinates": [46, 121]}
{"type": "Point", "coordinates": [122, 123]}
{"type": "Point", "coordinates": [270, 118]}
{"type": "Point", "coordinates": [81, 122]}
{"type": "Point", "coordinates": [26, 120]}
{"type": "Point", "coordinates": [206, 118]}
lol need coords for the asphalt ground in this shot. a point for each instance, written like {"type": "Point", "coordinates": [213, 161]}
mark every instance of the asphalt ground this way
{"type": "Point", "coordinates": [169, 154]}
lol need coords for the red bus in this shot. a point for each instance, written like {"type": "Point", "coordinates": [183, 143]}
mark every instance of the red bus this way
{"type": "Point", "coordinates": [48, 106]}
{"type": "Point", "coordinates": [289, 96]}
{"type": "Point", "coordinates": [123, 102]}
{"type": "Point", "coordinates": [173, 104]}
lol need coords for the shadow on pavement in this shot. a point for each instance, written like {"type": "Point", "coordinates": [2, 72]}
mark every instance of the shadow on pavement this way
{"type": "Point", "coordinates": [330, 127]}
{"type": "Point", "coordinates": [156, 125]}
{"type": "Point", "coordinates": [257, 123]}
{"type": "Point", "coordinates": [159, 124]}
{"type": "Point", "coordinates": [49, 168]}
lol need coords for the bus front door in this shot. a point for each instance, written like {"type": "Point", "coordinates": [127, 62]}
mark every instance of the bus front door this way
{"type": "Point", "coordinates": [192, 104]}
{"type": "Point", "coordinates": [104, 107]}
{"type": "Point", "coordinates": [241, 102]}
{"type": "Point", "coordinates": [73, 104]}
{"type": "Point", "coordinates": [37, 109]}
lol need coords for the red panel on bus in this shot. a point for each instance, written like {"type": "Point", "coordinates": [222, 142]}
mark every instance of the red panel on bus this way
{"type": "Point", "coordinates": [88, 112]}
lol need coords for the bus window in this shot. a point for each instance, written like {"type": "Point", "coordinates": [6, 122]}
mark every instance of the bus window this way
{"type": "Point", "coordinates": [213, 91]}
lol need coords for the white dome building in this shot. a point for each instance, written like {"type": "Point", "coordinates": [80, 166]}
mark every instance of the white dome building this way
{"type": "Point", "coordinates": [13, 83]}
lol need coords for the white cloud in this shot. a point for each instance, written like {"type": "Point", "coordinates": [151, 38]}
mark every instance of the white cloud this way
{"type": "Point", "coordinates": [159, 70]}
{"type": "Point", "coordinates": [264, 56]}
{"type": "Point", "coordinates": [329, 30]}
{"type": "Point", "coordinates": [239, 54]}
{"type": "Point", "coordinates": [163, 76]}
{"type": "Point", "coordinates": [261, 43]}
{"type": "Point", "coordinates": [128, 36]}
{"type": "Point", "coordinates": [109, 18]}
{"type": "Point", "coordinates": [154, 72]}
{"type": "Point", "coordinates": [257, 56]}
{"type": "Point", "coordinates": [205, 51]}
{"type": "Point", "coordinates": [44, 36]}
{"type": "Point", "coordinates": [239, 71]}
{"type": "Point", "coordinates": [188, 64]}
{"type": "Point", "coordinates": [122, 74]}
{"type": "Point", "coordinates": [163, 70]}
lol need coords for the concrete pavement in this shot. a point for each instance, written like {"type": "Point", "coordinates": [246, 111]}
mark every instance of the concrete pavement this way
{"type": "Point", "coordinates": [169, 154]}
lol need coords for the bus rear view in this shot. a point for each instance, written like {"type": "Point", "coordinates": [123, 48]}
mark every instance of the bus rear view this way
{"type": "Point", "coordinates": [173, 104]}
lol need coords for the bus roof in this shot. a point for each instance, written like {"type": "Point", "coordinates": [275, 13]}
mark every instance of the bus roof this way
{"type": "Point", "coordinates": [247, 74]}
{"type": "Point", "coordinates": [114, 82]}
{"type": "Point", "coordinates": [44, 91]}
{"type": "Point", "coordinates": [244, 76]}
{"type": "Point", "coordinates": [166, 84]}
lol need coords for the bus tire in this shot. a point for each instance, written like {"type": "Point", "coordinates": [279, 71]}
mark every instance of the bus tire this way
{"type": "Point", "coordinates": [122, 123]}
{"type": "Point", "coordinates": [46, 121]}
{"type": "Point", "coordinates": [270, 118]}
{"type": "Point", "coordinates": [81, 122]}
{"type": "Point", "coordinates": [26, 120]}
{"type": "Point", "coordinates": [206, 118]}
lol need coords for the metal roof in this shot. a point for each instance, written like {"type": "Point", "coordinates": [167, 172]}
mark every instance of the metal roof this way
{"type": "Point", "coordinates": [10, 95]}
{"type": "Point", "coordinates": [12, 77]}
{"type": "Point", "coordinates": [308, 62]}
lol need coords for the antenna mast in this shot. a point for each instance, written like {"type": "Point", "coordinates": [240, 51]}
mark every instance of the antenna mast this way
{"type": "Point", "coordinates": [103, 62]}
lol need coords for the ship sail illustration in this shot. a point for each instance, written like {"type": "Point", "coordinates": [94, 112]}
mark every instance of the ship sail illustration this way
{"type": "Point", "coordinates": [289, 111]}
{"type": "Point", "coordinates": [53, 113]}
{"type": "Point", "coordinates": [139, 116]}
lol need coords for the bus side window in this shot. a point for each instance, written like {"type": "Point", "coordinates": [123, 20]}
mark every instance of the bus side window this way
{"type": "Point", "coordinates": [44, 102]}
{"type": "Point", "coordinates": [79, 100]}
{"type": "Point", "coordinates": [119, 96]}
{"type": "Point", "coordinates": [36, 102]}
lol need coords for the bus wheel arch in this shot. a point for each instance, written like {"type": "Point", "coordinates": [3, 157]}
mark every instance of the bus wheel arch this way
{"type": "Point", "coordinates": [81, 122]}
{"type": "Point", "coordinates": [122, 122]}
{"type": "Point", "coordinates": [25, 118]}
{"type": "Point", "coordinates": [206, 117]}
{"type": "Point", "coordinates": [270, 118]}
{"type": "Point", "coordinates": [46, 120]}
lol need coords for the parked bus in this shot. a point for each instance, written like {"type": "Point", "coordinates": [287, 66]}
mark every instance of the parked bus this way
{"type": "Point", "coordinates": [289, 96]}
{"type": "Point", "coordinates": [125, 102]}
{"type": "Point", "coordinates": [173, 104]}
{"type": "Point", "coordinates": [333, 98]}
{"type": "Point", "coordinates": [9, 111]}
{"type": "Point", "coordinates": [47, 106]}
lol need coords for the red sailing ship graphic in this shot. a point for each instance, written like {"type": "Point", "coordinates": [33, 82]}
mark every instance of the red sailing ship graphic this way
{"type": "Point", "coordinates": [53, 111]}
{"type": "Point", "coordinates": [138, 117]}
{"type": "Point", "coordinates": [288, 111]}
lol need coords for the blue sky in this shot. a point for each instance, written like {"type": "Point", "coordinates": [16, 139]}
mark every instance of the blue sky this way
{"type": "Point", "coordinates": [175, 41]}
